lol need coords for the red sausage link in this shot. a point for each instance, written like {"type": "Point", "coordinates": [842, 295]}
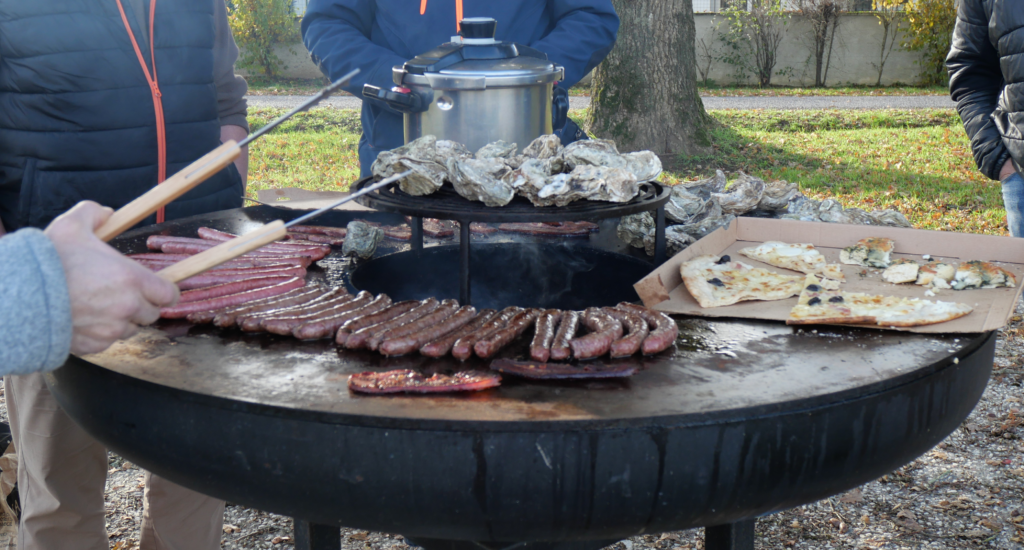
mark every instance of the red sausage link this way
{"type": "Point", "coordinates": [355, 333]}
{"type": "Point", "coordinates": [487, 347]}
{"type": "Point", "coordinates": [442, 312]}
{"type": "Point", "coordinates": [416, 340]}
{"type": "Point", "coordinates": [664, 330]}
{"type": "Point", "coordinates": [544, 335]}
{"type": "Point", "coordinates": [253, 322]}
{"type": "Point", "coordinates": [463, 348]}
{"type": "Point", "coordinates": [560, 350]}
{"type": "Point", "coordinates": [605, 330]}
{"type": "Point", "coordinates": [181, 245]}
{"type": "Point", "coordinates": [637, 328]}
{"type": "Point", "coordinates": [214, 278]}
{"type": "Point", "coordinates": [243, 261]}
{"type": "Point", "coordinates": [213, 304]}
{"type": "Point", "coordinates": [443, 344]}
{"type": "Point", "coordinates": [285, 322]}
{"type": "Point", "coordinates": [327, 326]}
{"type": "Point", "coordinates": [313, 237]}
{"type": "Point", "coordinates": [234, 287]}
{"type": "Point", "coordinates": [226, 317]}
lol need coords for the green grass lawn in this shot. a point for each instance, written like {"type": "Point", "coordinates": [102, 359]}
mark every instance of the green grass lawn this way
{"type": "Point", "coordinates": [918, 162]}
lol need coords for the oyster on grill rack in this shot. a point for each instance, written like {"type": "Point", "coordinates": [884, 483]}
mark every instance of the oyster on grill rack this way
{"type": "Point", "coordinates": [481, 180]}
{"type": "Point", "coordinates": [531, 176]}
{"type": "Point", "coordinates": [741, 196]}
{"type": "Point", "coordinates": [446, 148]}
{"type": "Point", "coordinates": [592, 152]}
{"type": "Point", "coordinates": [777, 195]}
{"type": "Point", "coordinates": [427, 176]}
{"type": "Point", "coordinates": [601, 183]}
{"type": "Point", "coordinates": [361, 239]}
{"type": "Point", "coordinates": [645, 165]}
{"type": "Point", "coordinates": [633, 229]}
{"type": "Point", "coordinates": [675, 241]}
{"type": "Point", "coordinates": [544, 147]}
{"type": "Point", "coordinates": [423, 148]}
{"type": "Point", "coordinates": [497, 150]}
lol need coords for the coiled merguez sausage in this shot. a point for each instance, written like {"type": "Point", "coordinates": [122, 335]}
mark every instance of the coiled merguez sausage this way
{"type": "Point", "coordinates": [463, 348]}
{"type": "Point", "coordinates": [440, 346]}
{"type": "Point", "coordinates": [664, 330]}
{"type": "Point", "coordinates": [544, 334]}
{"type": "Point", "coordinates": [357, 332]}
{"type": "Point", "coordinates": [442, 312]}
{"type": "Point", "coordinates": [486, 348]}
{"type": "Point", "coordinates": [560, 350]}
{"type": "Point", "coordinates": [427, 334]}
{"type": "Point", "coordinates": [604, 330]}
{"type": "Point", "coordinates": [182, 310]}
{"type": "Point", "coordinates": [636, 332]}
{"type": "Point", "coordinates": [327, 326]}
{"type": "Point", "coordinates": [226, 317]}
{"type": "Point", "coordinates": [297, 314]}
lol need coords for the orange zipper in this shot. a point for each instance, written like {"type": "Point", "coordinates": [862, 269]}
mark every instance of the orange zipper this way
{"type": "Point", "coordinates": [458, 13]}
{"type": "Point", "coordinates": [154, 87]}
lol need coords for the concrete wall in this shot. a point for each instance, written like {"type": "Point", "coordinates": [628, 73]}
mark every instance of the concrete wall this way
{"type": "Point", "coordinates": [856, 49]}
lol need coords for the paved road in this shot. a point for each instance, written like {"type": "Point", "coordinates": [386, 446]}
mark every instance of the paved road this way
{"type": "Point", "coordinates": [812, 102]}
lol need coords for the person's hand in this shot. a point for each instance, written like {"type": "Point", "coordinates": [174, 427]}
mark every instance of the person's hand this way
{"type": "Point", "coordinates": [110, 294]}
{"type": "Point", "coordinates": [1008, 170]}
{"type": "Point", "coordinates": [238, 133]}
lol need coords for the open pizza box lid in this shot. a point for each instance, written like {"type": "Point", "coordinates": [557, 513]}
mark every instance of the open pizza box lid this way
{"type": "Point", "coordinates": [663, 289]}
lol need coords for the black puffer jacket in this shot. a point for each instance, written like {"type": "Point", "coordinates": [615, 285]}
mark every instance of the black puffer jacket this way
{"type": "Point", "coordinates": [986, 79]}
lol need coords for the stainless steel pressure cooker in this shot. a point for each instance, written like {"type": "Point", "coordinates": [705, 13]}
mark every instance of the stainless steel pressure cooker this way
{"type": "Point", "coordinates": [474, 90]}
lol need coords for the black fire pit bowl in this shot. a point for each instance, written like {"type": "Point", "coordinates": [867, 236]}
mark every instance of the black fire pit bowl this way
{"type": "Point", "coordinates": [562, 276]}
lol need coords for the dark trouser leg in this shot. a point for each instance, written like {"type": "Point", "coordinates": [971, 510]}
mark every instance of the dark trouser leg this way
{"type": "Point", "coordinates": [731, 536]}
{"type": "Point", "coordinates": [314, 536]}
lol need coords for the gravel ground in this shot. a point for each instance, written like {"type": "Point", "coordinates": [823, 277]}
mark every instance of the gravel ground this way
{"type": "Point", "coordinates": [966, 493]}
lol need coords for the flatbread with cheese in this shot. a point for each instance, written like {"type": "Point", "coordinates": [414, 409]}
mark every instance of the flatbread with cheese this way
{"type": "Point", "coordinates": [977, 274]}
{"type": "Point", "coordinates": [818, 305]}
{"type": "Point", "coordinates": [800, 257]}
{"type": "Point", "coordinates": [716, 281]}
{"type": "Point", "coordinates": [869, 252]}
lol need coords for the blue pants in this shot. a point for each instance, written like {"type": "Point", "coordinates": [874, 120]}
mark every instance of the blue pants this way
{"type": "Point", "coordinates": [1013, 200]}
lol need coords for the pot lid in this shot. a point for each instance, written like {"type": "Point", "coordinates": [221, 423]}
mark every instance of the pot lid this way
{"type": "Point", "coordinates": [475, 60]}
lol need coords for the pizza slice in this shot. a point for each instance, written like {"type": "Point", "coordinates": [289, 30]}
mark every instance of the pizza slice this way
{"type": "Point", "coordinates": [936, 274]}
{"type": "Point", "coordinates": [901, 270]}
{"type": "Point", "coordinates": [818, 305]}
{"type": "Point", "coordinates": [869, 252]}
{"type": "Point", "coordinates": [718, 281]}
{"type": "Point", "coordinates": [800, 257]}
{"type": "Point", "coordinates": [977, 274]}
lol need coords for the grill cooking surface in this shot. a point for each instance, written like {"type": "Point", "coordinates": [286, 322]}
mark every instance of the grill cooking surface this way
{"type": "Point", "coordinates": [449, 205]}
{"type": "Point", "coordinates": [717, 367]}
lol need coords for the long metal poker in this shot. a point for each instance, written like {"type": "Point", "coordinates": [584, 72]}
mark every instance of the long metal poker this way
{"type": "Point", "coordinates": [197, 172]}
{"type": "Point", "coordinates": [369, 189]}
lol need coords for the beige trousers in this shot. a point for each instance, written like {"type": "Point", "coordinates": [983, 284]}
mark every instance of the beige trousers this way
{"type": "Point", "coordinates": [61, 477]}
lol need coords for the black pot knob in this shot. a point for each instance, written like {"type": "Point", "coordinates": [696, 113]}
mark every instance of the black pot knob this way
{"type": "Point", "coordinates": [477, 27]}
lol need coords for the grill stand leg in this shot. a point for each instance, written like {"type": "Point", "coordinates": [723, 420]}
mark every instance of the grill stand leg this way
{"type": "Point", "coordinates": [417, 234]}
{"type": "Point", "coordinates": [659, 236]}
{"type": "Point", "coordinates": [464, 298]}
{"type": "Point", "coordinates": [314, 536]}
{"type": "Point", "coordinates": [731, 536]}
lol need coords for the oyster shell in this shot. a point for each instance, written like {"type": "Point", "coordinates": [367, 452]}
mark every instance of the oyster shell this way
{"type": "Point", "coordinates": [527, 180]}
{"type": "Point", "coordinates": [889, 217]}
{"type": "Point", "coordinates": [831, 211]}
{"type": "Point", "coordinates": [634, 228]}
{"type": "Point", "coordinates": [858, 216]}
{"type": "Point", "coordinates": [675, 241]}
{"type": "Point", "coordinates": [446, 148]}
{"type": "Point", "coordinates": [361, 239]}
{"type": "Point", "coordinates": [600, 183]}
{"type": "Point", "coordinates": [803, 209]}
{"type": "Point", "coordinates": [700, 229]}
{"type": "Point", "coordinates": [592, 152]}
{"type": "Point", "coordinates": [427, 176]}
{"type": "Point", "coordinates": [741, 196]}
{"type": "Point", "coordinates": [497, 150]}
{"type": "Point", "coordinates": [422, 148]}
{"type": "Point", "coordinates": [481, 180]}
{"type": "Point", "coordinates": [544, 147]}
{"type": "Point", "coordinates": [705, 187]}
{"type": "Point", "coordinates": [683, 206]}
{"type": "Point", "coordinates": [645, 165]}
{"type": "Point", "coordinates": [777, 195]}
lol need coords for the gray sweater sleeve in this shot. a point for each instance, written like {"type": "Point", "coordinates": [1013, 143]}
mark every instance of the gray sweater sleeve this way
{"type": "Point", "coordinates": [35, 311]}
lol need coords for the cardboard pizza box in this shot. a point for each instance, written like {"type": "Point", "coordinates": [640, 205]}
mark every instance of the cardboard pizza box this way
{"type": "Point", "coordinates": [663, 289]}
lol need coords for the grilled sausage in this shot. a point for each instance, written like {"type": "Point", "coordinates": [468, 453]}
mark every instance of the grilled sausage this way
{"type": "Point", "coordinates": [428, 333]}
{"type": "Point", "coordinates": [326, 327]}
{"type": "Point", "coordinates": [487, 347]}
{"type": "Point", "coordinates": [180, 247]}
{"type": "Point", "coordinates": [233, 287]}
{"type": "Point", "coordinates": [285, 322]}
{"type": "Point", "coordinates": [445, 310]}
{"type": "Point", "coordinates": [181, 310]}
{"type": "Point", "coordinates": [253, 322]}
{"type": "Point", "coordinates": [664, 330]}
{"type": "Point", "coordinates": [215, 278]}
{"type": "Point", "coordinates": [226, 317]}
{"type": "Point", "coordinates": [356, 333]}
{"type": "Point", "coordinates": [443, 344]}
{"type": "Point", "coordinates": [560, 350]}
{"type": "Point", "coordinates": [544, 334]}
{"type": "Point", "coordinates": [313, 237]}
{"type": "Point", "coordinates": [242, 261]}
{"type": "Point", "coordinates": [605, 330]}
{"type": "Point", "coordinates": [637, 332]}
{"type": "Point", "coordinates": [463, 348]}
{"type": "Point", "coordinates": [339, 232]}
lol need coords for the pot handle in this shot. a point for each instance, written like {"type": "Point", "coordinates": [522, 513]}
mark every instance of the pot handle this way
{"type": "Point", "coordinates": [399, 99]}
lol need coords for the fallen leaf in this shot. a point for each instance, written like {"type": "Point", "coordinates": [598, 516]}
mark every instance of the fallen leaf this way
{"type": "Point", "coordinates": [362, 535]}
{"type": "Point", "coordinates": [853, 497]}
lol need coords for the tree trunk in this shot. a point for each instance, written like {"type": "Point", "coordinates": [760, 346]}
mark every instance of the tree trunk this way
{"type": "Point", "coordinates": [644, 94]}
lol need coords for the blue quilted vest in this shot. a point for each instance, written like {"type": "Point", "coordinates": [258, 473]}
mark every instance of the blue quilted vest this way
{"type": "Point", "coordinates": [77, 117]}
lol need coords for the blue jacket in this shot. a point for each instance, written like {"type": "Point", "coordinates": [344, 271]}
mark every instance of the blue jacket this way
{"type": "Point", "coordinates": [375, 35]}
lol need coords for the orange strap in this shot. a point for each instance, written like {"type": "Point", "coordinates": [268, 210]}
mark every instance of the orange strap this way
{"type": "Point", "coordinates": [423, 7]}
{"type": "Point", "coordinates": [458, 15]}
{"type": "Point", "coordinates": [154, 86]}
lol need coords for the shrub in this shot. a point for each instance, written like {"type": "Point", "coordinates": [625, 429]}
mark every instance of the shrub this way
{"type": "Point", "coordinates": [257, 26]}
{"type": "Point", "coordinates": [930, 31]}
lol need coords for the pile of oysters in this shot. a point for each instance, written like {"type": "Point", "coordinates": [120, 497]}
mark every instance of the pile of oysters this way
{"type": "Point", "coordinates": [545, 173]}
{"type": "Point", "coordinates": [700, 207]}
